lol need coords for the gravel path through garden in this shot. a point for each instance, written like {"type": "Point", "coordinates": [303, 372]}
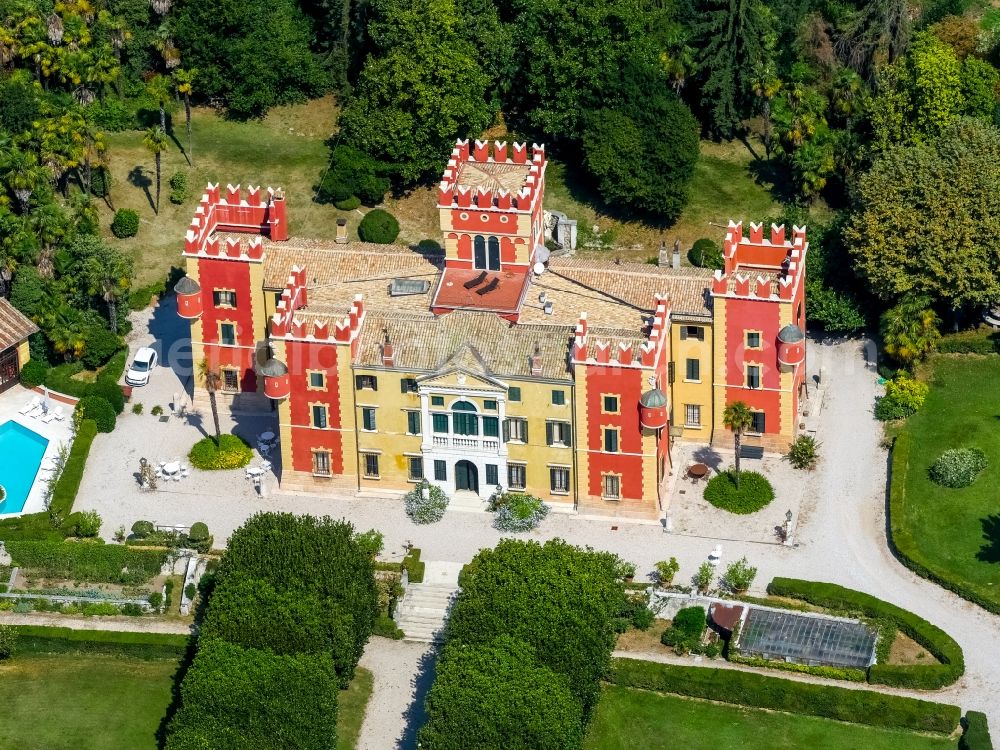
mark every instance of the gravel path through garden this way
{"type": "Point", "coordinates": [403, 673]}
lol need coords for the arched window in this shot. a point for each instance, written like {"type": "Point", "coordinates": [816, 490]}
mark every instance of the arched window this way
{"type": "Point", "coordinates": [479, 252]}
{"type": "Point", "coordinates": [464, 419]}
{"type": "Point", "coordinates": [494, 255]}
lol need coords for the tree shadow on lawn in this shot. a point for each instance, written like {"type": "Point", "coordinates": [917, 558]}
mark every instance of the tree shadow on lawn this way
{"type": "Point", "coordinates": [139, 179]}
{"type": "Point", "coordinates": [416, 715]}
{"type": "Point", "coordinates": [990, 551]}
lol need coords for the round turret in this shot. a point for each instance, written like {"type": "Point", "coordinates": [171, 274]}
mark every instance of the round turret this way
{"type": "Point", "coordinates": [791, 345]}
{"type": "Point", "coordinates": [276, 381]}
{"type": "Point", "coordinates": [653, 409]}
{"type": "Point", "coordinates": [188, 298]}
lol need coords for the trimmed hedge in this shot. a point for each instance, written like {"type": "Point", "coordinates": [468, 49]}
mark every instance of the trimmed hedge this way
{"type": "Point", "coordinates": [61, 380]}
{"type": "Point", "coordinates": [414, 566]}
{"type": "Point", "coordinates": [777, 694]}
{"type": "Point", "coordinates": [98, 410]}
{"type": "Point", "coordinates": [96, 563]}
{"type": "Point", "coordinates": [832, 673]}
{"type": "Point", "coordinates": [753, 493]}
{"type": "Point", "coordinates": [64, 493]}
{"type": "Point", "coordinates": [900, 538]}
{"type": "Point", "coordinates": [231, 452]}
{"type": "Point", "coordinates": [40, 639]}
{"type": "Point", "coordinates": [977, 732]}
{"type": "Point", "coordinates": [982, 340]}
{"type": "Point", "coordinates": [921, 676]}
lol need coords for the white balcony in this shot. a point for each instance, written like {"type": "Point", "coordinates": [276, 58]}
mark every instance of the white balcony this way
{"type": "Point", "coordinates": [467, 442]}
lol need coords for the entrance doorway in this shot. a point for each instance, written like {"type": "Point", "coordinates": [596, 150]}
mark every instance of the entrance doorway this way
{"type": "Point", "coordinates": [9, 370]}
{"type": "Point", "coordinates": [466, 476]}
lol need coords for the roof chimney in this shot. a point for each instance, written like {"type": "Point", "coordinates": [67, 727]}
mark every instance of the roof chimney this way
{"type": "Point", "coordinates": [675, 262]}
{"type": "Point", "coordinates": [388, 355]}
{"type": "Point", "coordinates": [536, 362]}
{"type": "Point", "coordinates": [663, 258]}
{"type": "Point", "coordinates": [341, 232]}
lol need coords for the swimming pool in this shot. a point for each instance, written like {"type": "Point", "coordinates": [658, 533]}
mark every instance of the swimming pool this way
{"type": "Point", "coordinates": [21, 452]}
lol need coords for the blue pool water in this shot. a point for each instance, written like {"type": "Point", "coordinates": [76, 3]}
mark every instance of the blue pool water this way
{"type": "Point", "coordinates": [21, 452]}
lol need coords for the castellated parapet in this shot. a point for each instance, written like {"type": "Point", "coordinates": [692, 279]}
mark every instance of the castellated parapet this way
{"type": "Point", "coordinates": [760, 267]}
{"type": "Point", "coordinates": [253, 213]}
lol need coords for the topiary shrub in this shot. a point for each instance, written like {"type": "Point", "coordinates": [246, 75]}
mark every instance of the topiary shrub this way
{"type": "Point", "coordinates": [125, 224]}
{"type": "Point", "coordinates": [231, 452]}
{"type": "Point", "coordinates": [98, 409]}
{"type": "Point", "coordinates": [803, 453]}
{"type": "Point", "coordinates": [199, 532]}
{"type": "Point", "coordinates": [379, 226]}
{"type": "Point", "coordinates": [518, 512]}
{"type": "Point", "coordinates": [33, 373]}
{"type": "Point", "coordinates": [179, 187]}
{"type": "Point", "coordinates": [685, 630]}
{"type": "Point", "coordinates": [348, 204]}
{"type": "Point", "coordinates": [99, 345]}
{"type": "Point", "coordinates": [958, 467]}
{"type": "Point", "coordinates": [425, 510]}
{"type": "Point", "coordinates": [752, 494]}
{"type": "Point", "coordinates": [8, 640]}
{"type": "Point", "coordinates": [705, 253]}
{"type": "Point", "coordinates": [975, 737]}
{"type": "Point", "coordinates": [111, 392]}
{"type": "Point", "coordinates": [142, 529]}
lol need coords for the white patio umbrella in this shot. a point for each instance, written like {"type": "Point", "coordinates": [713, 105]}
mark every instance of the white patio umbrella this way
{"type": "Point", "coordinates": [45, 398]}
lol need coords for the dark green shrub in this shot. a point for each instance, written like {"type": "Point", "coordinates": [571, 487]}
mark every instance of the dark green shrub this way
{"type": "Point", "coordinates": [921, 676]}
{"type": "Point", "coordinates": [686, 629]}
{"type": "Point", "coordinates": [99, 344]}
{"type": "Point", "coordinates": [142, 529]}
{"type": "Point", "coordinates": [414, 566]}
{"type": "Point", "coordinates": [100, 182]}
{"type": "Point", "coordinates": [563, 601]}
{"type": "Point", "coordinates": [33, 373]}
{"type": "Point", "coordinates": [155, 600]}
{"type": "Point", "coordinates": [379, 226]}
{"type": "Point", "coordinates": [977, 732]}
{"type": "Point", "coordinates": [99, 410]}
{"type": "Point", "coordinates": [141, 298]}
{"type": "Point", "coordinates": [95, 563]}
{"type": "Point", "coordinates": [386, 627]}
{"type": "Point", "coordinates": [85, 524]}
{"type": "Point", "coordinates": [234, 698]}
{"type": "Point", "coordinates": [179, 187]}
{"type": "Point", "coordinates": [643, 617]}
{"type": "Point", "coordinates": [888, 410]}
{"type": "Point", "coordinates": [348, 204]}
{"type": "Point", "coordinates": [52, 640]}
{"type": "Point", "coordinates": [774, 693]}
{"type": "Point", "coordinates": [199, 532]}
{"type": "Point", "coordinates": [982, 340]}
{"type": "Point", "coordinates": [958, 467]}
{"type": "Point", "coordinates": [706, 253]}
{"type": "Point", "coordinates": [190, 591]}
{"type": "Point", "coordinates": [125, 224]}
{"type": "Point", "coordinates": [352, 173]}
{"type": "Point", "coordinates": [64, 493]}
{"type": "Point", "coordinates": [231, 452]}
{"type": "Point", "coordinates": [371, 541]}
{"type": "Point", "coordinates": [114, 115]}
{"type": "Point", "coordinates": [8, 641]}
{"type": "Point", "coordinates": [752, 494]}
{"type": "Point", "coordinates": [498, 697]}
{"type": "Point", "coordinates": [111, 392]}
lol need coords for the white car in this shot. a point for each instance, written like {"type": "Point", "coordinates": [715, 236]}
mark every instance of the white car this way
{"type": "Point", "coordinates": [142, 366]}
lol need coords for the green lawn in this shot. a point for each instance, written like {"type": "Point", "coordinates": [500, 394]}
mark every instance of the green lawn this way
{"type": "Point", "coordinates": [76, 701]}
{"type": "Point", "coordinates": [629, 719]}
{"type": "Point", "coordinates": [83, 701]}
{"type": "Point", "coordinates": [956, 533]}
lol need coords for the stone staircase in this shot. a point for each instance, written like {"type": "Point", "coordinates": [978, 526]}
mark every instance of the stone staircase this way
{"type": "Point", "coordinates": [423, 611]}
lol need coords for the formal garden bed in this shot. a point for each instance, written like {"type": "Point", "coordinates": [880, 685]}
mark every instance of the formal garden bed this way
{"type": "Point", "coordinates": [951, 534]}
{"type": "Point", "coordinates": [747, 492]}
{"type": "Point", "coordinates": [226, 452]}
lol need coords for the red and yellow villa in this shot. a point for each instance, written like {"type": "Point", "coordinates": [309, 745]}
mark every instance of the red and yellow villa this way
{"type": "Point", "coordinates": [490, 362]}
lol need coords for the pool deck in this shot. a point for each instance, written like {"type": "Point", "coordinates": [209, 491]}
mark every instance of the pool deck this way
{"type": "Point", "coordinates": [56, 432]}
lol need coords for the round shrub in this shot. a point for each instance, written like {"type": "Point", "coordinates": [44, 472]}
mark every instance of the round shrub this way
{"type": "Point", "coordinates": [348, 204]}
{"type": "Point", "coordinates": [199, 532]}
{"type": "Point", "coordinates": [142, 529]}
{"type": "Point", "coordinates": [8, 639]}
{"type": "Point", "coordinates": [519, 511]}
{"type": "Point", "coordinates": [155, 600]}
{"type": "Point", "coordinates": [685, 630]}
{"type": "Point", "coordinates": [803, 453]}
{"type": "Point", "coordinates": [429, 510]}
{"type": "Point", "coordinates": [379, 227]}
{"type": "Point", "coordinates": [98, 409]}
{"type": "Point", "coordinates": [125, 224]}
{"type": "Point", "coordinates": [110, 392]}
{"type": "Point", "coordinates": [85, 524]}
{"type": "Point", "coordinates": [958, 467]}
{"type": "Point", "coordinates": [99, 345]}
{"type": "Point", "coordinates": [231, 452]}
{"type": "Point", "coordinates": [752, 494]}
{"type": "Point", "coordinates": [33, 373]}
{"type": "Point", "coordinates": [705, 253]}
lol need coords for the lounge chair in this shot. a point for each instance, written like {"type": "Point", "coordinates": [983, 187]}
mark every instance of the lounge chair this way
{"type": "Point", "coordinates": [31, 405]}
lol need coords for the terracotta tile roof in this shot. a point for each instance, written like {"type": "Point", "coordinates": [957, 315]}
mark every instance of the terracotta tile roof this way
{"type": "Point", "coordinates": [501, 291]}
{"type": "Point", "coordinates": [14, 326]}
{"type": "Point", "coordinates": [493, 175]}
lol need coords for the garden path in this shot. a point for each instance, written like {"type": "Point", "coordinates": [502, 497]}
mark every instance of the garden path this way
{"type": "Point", "coordinates": [404, 671]}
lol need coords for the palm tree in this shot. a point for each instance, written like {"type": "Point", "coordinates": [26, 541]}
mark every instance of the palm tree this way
{"type": "Point", "coordinates": [50, 225]}
{"type": "Point", "coordinates": [184, 81]}
{"type": "Point", "coordinates": [108, 272]}
{"type": "Point", "coordinates": [23, 174]}
{"type": "Point", "coordinates": [738, 418]}
{"type": "Point", "coordinates": [159, 88]}
{"type": "Point", "coordinates": [910, 329]}
{"type": "Point", "coordinates": [156, 143]}
{"type": "Point", "coordinates": [212, 378]}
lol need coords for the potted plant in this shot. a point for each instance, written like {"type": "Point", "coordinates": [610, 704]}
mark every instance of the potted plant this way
{"type": "Point", "coordinates": [666, 570]}
{"type": "Point", "coordinates": [626, 571]}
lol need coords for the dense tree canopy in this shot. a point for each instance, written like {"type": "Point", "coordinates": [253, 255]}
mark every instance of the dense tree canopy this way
{"type": "Point", "coordinates": [929, 219]}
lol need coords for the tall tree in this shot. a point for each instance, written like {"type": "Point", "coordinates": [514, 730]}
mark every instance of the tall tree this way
{"type": "Point", "coordinates": [212, 379]}
{"type": "Point", "coordinates": [107, 272]}
{"type": "Point", "coordinates": [738, 418]}
{"type": "Point", "coordinates": [23, 174]}
{"type": "Point", "coordinates": [159, 89]}
{"type": "Point", "coordinates": [421, 89]}
{"type": "Point", "coordinates": [184, 82]}
{"type": "Point", "coordinates": [733, 37]}
{"type": "Point", "coordinates": [928, 221]}
{"type": "Point", "coordinates": [156, 143]}
{"type": "Point", "coordinates": [910, 329]}
{"type": "Point", "coordinates": [878, 33]}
